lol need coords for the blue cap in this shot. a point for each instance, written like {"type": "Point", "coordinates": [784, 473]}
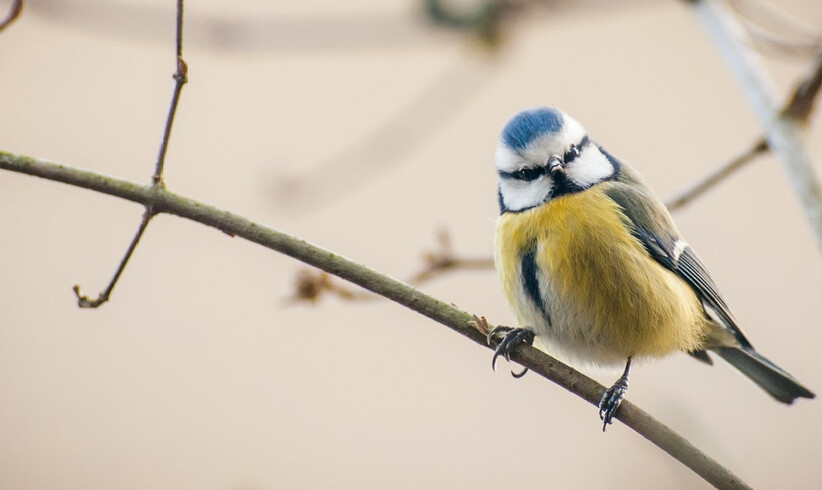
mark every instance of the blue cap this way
{"type": "Point", "coordinates": [528, 125]}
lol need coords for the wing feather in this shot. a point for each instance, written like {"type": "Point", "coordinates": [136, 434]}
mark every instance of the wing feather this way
{"type": "Point", "coordinates": [654, 227]}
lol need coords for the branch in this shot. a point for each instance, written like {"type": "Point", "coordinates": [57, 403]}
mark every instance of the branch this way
{"type": "Point", "coordinates": [782, 130]}
{"type": "Point", "coordinates": [799, 107]}
{"type": "Point", "coordinates": [14, 12]}
{"type": "Point", "coordinates": [310, 285]}
{"type": "Point", "coordinates": [711, 180]}
{"type": "Point", "coordinates": [163, 201]}
{"type": "Point", "coordinates": [180, 78]}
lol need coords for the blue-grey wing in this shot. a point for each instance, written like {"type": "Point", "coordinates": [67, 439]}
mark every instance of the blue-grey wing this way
{"type": "Point", "coordinates": [654, 227]}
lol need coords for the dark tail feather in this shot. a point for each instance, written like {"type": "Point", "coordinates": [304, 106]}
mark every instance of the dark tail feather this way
{"type": "Point", "coordinates": [766, 374]}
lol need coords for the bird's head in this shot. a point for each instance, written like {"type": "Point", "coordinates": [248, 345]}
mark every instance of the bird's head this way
{"type": "Point", "coordinates": [542, 154]}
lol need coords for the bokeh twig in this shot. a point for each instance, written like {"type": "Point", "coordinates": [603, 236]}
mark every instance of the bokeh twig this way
{"type": "Point", "coordinates": [715, 177]}
{"type": "Point", "coordinates": [798, 107]}
{"type": "Point", "coordinates": [782, 131]}
{"type": "Point", "coordinates": [310, 284]}
{"type": "Point", "coordinates": [15, 10]}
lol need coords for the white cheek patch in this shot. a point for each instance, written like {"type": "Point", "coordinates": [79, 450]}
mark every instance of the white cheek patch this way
{"type": "Point", "coordinates": [518, 195]}
{"type": "Point", "coordinates": [590, 167]}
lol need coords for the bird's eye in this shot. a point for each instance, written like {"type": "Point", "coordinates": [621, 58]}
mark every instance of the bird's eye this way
{"type": "Point", "coordinates": [527, 173]}
{"type": "Point", "coordinates": [572, 154]}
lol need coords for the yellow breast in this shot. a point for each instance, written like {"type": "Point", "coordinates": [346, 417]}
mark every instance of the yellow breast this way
{"type": "Point", "coordinates": [606, 298]}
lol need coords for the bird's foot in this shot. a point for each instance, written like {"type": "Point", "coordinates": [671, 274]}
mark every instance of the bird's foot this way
{"type": "Point", "coordinates": [612, 398]}
{"type": "Point", "coordinates": [512, 338]}
{"type": "Point", "coordinates": [610, 402]}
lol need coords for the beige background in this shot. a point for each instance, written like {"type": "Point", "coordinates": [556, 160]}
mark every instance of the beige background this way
{"type": "Point", "coordinates": [197, 376]}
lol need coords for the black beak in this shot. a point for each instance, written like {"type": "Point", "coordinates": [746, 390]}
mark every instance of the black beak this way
{"type": "Point", "coordinates": [555, 165]}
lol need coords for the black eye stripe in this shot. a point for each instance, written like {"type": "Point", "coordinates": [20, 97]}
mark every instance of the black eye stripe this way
{"type": "Point", "coordinates": [526, 173]}
{"type": "Point", "coordinates": [571, 155]}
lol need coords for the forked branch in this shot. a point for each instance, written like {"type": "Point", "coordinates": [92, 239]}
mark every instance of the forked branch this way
{"type": "Point", "coordinates": [180, 78]}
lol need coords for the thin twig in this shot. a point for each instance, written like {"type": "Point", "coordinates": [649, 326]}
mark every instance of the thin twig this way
{"type": "Point", "coordinates": [798, 107]}
{"type": "Point", "coordinates": [180, 78]}
{"type": "Point", "coordinates": [708, 182]}
{"type": "Point", "coordinates": [445, 260]}
{"type": "Point", "coordinates": [310, 285]}
{"type": "Point", "coordinates": [86, 302]}
{"type": "Point", "coordinates": [768, 17]}
{"type": "Point", "coordinates": [801, 104]}
{"type": "Point", "coordinates": [164, 201]}
{"type": "Point", "coordinates": [782, 131]}
{"type": "Point", "coordinates": [14, 12]}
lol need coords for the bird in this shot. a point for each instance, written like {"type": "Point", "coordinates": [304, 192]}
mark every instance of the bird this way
{"type": "Point", "coordinates": [593, 266]}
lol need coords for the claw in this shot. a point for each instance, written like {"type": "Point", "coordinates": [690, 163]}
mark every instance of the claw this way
{"type": "Point", "coordinates": [513, 337]}
{"type": "Point", "coordinates": [519, 374]}
{"type": "Point", "coordinates": [496, 330]}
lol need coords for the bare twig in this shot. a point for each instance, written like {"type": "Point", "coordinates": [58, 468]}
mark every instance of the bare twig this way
{"type": "Point", "coordinates": [180, 78]}
{"type": "Point", "coordinates": [14, 12]}
{"type": "Point", "coordinates": [772, 28]}
{"type": "Point", "coordinates": [163, 201]}
{"type": "Point", "coordinates": [769, 44]}
{"type": "Point", "coordinates": [86, 302]}
{"type": "Point", "coordinates": [782, 131]}
{"type": "Point", "coordinates": [798, 107]}
{"type": "Point", "coordinates": [708, 182]}
{"type": "Point", "coordinates": [311, 284]}
{"type": "Point", "coordinates": [801, 104]}
{"type": "Point", "coordinates": [444, 260]}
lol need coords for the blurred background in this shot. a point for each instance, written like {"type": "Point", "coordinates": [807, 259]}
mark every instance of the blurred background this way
{"type": "Point", "coordinates": [365, 127]}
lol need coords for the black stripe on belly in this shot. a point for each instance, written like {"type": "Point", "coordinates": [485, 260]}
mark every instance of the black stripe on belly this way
{"type": "Point", "coordinates": [530, 281]}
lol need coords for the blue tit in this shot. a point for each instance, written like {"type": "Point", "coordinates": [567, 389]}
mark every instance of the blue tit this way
{"type": "Point", "coordinates": [593, 266]}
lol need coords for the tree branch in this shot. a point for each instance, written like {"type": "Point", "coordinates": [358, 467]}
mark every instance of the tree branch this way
{"type": "Point", "coordinates": [163, 201]}
{"type": "Point", "coordinates": [310, 285]}
{"type": "Point", "coordinates": [799, 107]}
{"type": "Point", "coordinates": [715, 177]}
{"type": "Point", "coordinates": [14, 12]}
{"type": "Point", "coordinates": [782, 130]}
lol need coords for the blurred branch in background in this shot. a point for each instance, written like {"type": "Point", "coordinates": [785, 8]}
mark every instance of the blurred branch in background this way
{"type": "Point", "coordinates": [274, 31]}
{"type": "Point", "coordinates": [143, 22]}
{"type": "Point", "coordinates": [782, 130]}
{"type": "Point", "coordinates": [483, 19]}
{"type": "Point", "coordinates": [385, 148]}
{"type": "Point", "coordinates": [774, 32]}
{"type": "Point", "coordinates": [14, 12]}
{"type": "Point", "coordinates": [311, 284]}
{"type": "Point", "coordinates": [162, 201]}
{"type": "Point", "coordinates": [799, 107]}
{"type": "Point", "coordinates": [180, 78]}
